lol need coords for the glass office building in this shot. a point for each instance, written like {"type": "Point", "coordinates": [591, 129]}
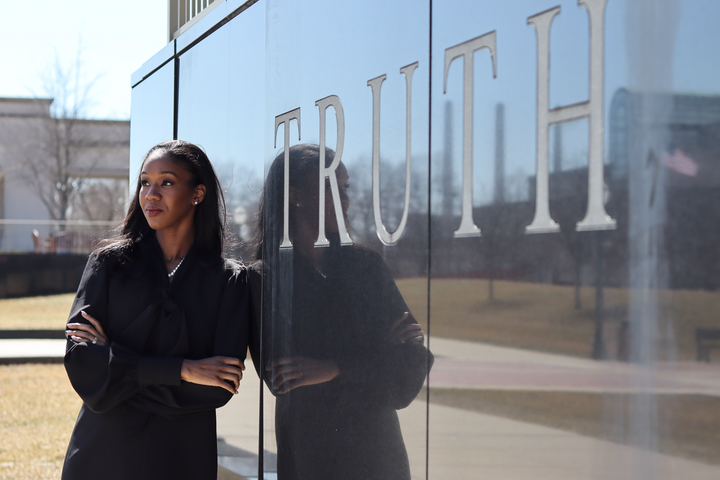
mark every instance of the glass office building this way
{"type": "Point", "coordinates": [535, 182]}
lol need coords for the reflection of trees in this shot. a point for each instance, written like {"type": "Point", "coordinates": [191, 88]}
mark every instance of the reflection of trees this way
{"type": "Point", "coordinates": [568, 202]}
{"type": "Point", "coordinates": [360, 213]}
{"type": "Point", "coordinates": [55, 151]}
{"type": "Point", "coordinates": [501, 233]}
{"type": "Point", "coordinates": [242, 185]}
{"type": "Point", "coordinates": [100, 199]}
{"type": "Point", "coordinates": [392, 188]}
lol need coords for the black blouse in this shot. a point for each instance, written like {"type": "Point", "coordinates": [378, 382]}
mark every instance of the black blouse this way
{"type": "Point", "coordinates": [138, 419]}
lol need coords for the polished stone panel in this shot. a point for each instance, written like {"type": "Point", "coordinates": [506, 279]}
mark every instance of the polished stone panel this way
{"type": "Point", "coordinates": [151, 119]}
{"type": "Point", "coordinates": [354, 78]}
{"type": "Point", "coordinates": [538, 182]}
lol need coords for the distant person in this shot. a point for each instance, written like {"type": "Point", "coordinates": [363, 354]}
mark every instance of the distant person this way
{"type": "Point", "coordinates": [341, 352]}
{"type": "Point", "coordinates": [158, 331]}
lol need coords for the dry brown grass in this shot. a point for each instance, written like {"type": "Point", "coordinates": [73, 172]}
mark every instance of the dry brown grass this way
{"type": "Point", "coordinates": [35, 313]}
{"type": "Point", "coordinates": [542, 317]}
{"type": "Point", "coordinates": [38, 408]}
{"type": "Point", "coordinates": [689, 425]}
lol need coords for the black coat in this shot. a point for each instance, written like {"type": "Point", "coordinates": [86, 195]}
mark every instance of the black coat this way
{"type": "Point", "coordinates": [347, 428]}
{"type": "Point", "coordinates": [138, 419]}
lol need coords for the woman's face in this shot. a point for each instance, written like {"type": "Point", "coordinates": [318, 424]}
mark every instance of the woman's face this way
{"type": "Point", "coordinates": [307, 197]}
{"type": "Point", "coordinates": [167, 197]}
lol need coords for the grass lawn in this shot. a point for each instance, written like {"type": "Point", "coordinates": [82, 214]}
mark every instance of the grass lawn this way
{"type": "Point", "coordinates": [689, 425]}
{"type": "Point", "coordinates": [35, 313]}
{"type": "Point", "coordinates": [543, 317]}
{"type": "Point", "coordinates": [38, 408]}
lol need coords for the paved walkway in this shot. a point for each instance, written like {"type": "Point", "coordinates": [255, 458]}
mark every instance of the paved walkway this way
{"type": "Point", "coordinates": [488, 367]}
{"type": "Point", "coordinates": [467, 445]}
{"type": "Point", "coordinates": [21, 350]}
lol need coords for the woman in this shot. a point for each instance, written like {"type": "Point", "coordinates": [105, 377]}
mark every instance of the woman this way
{"type": "Point", "coordinates": [341, 352]}
{"type": "Point", "coordinates": [158, 330]}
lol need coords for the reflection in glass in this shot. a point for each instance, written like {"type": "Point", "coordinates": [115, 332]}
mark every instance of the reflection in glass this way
{"type": "Point", "coordinates": [342, 352]}
{"type": "Point", "coordinates": [594, 334]}
{"type": "Point", "coordinates": [519, 322]}
{"type": "Point", "coordinates": [151, 120]}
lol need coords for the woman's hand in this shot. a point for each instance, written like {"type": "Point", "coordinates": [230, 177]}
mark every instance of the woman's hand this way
{"type": "Point", "coordinates": [293, 372]}
{"type": "Point", "coordinates": [82, 332]}
{"type": "Point", "coordinates": [214, 372]}
{"type": "Point", "coordinates": [410, 332]}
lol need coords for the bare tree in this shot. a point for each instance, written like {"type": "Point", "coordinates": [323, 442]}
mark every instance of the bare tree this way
{"type": "Point", "coordinates": [55, 150]}
{"type": "Point", "coordinates": [392, 188]}
{"type": "Point", "coordinates": [568, 204]}
{"type": "Point", "coordinates": [100, 199]}
{"type": "Point", "coordinates": [501, 232]}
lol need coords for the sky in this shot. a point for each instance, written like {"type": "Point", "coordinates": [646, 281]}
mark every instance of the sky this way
{"type": "Point", "coordinates": [115, 39]}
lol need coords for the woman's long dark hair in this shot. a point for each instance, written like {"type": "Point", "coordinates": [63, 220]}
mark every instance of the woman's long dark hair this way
{"type": "Point", "coordinates": [210, 218]}
{"type": "Point", "coordinates": [304, 161]}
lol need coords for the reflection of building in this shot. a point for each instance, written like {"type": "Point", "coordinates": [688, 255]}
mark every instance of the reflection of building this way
{"type": "Point", "coordinates": [688, 166]}
{"type": "Point", "coordinates": [90, 156]}
{"type": "Point", "coordinates": [693, 258]}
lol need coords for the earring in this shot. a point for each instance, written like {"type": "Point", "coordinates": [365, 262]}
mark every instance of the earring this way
{"type": "Point", "coordinates": [195, 202]}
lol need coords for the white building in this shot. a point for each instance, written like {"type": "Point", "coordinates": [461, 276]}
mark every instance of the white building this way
{"type": "Point", "coordinates": [37, 152]}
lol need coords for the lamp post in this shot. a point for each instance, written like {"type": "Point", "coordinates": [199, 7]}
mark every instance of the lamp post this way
{"type": "Point", "coordinates": [599, 350]}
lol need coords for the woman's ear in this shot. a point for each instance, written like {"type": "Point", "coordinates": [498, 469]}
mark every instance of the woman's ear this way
{"type": "Point", "coordinates": [199, 194]}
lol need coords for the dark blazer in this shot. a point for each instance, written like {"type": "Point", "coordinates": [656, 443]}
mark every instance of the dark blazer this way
{"type": "Point", "coordinates": [138, 419]}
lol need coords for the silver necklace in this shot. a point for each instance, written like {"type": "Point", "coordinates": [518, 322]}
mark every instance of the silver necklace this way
{"type": "Point", "coordinates": [170, 275]}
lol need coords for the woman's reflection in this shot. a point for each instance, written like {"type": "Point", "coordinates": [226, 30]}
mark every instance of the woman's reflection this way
{"type": "Point", "coordinates": [342, 352]}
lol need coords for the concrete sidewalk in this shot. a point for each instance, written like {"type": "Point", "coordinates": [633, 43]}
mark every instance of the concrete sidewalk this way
{"type": "Point", "coordinates": [487, 367]}
{"type": "Point", "coordinates": [33, 350]}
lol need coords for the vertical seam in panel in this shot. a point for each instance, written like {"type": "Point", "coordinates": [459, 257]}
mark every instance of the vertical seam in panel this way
{"type": "Point", "coordinates": [261, 340]}
{"type": "Point", "coordinates": [176, 95]}
{"type": "Point", "coordinates": [429, 241]}
{"type": "Point", "coordinates": [261, 375]}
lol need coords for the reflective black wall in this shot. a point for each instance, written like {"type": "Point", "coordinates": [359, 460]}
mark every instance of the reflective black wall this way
{"type": "Point", "coordinates": [534, 184]}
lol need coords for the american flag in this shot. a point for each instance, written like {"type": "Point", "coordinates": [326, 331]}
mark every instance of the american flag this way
{"type": "Point", "coordinates": [679, 162]}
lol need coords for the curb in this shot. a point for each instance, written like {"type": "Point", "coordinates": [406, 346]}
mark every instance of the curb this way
{"type": "Point", "coordinates": [32, 334]}
{"type": "Point", "coordinates": [21, 360]}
